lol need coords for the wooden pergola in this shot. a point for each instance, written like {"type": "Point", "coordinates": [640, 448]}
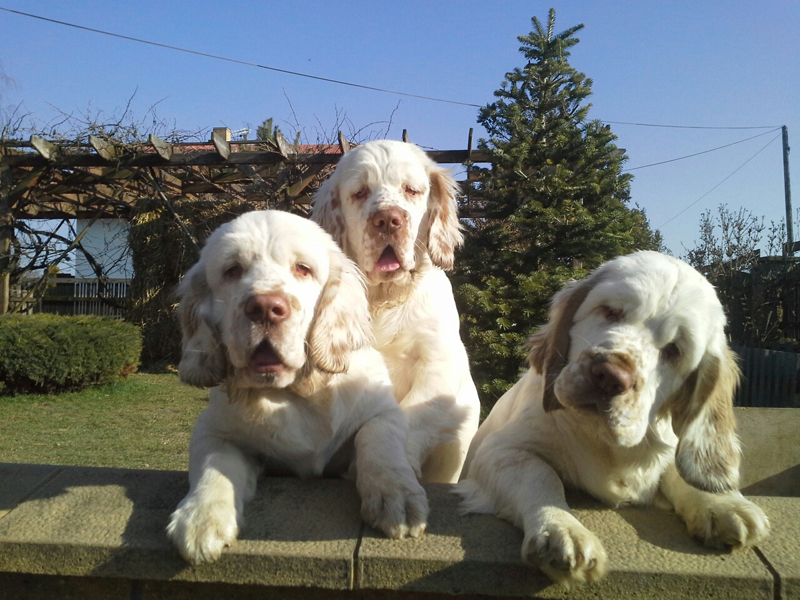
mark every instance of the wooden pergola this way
{"type": "Point", "coordinates": [42, 179]}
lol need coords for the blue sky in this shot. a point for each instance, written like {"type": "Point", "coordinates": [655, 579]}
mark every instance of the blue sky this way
{"type": "Point", "coordinates": [704, 64]}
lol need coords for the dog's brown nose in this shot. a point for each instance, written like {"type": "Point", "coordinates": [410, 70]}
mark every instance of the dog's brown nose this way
{"type": "Point", "coordinates": [388, 220]}
{"type": "Point", "coordinates": [267, 308]}
{"type": "Point", "coordinates": [611, 378]}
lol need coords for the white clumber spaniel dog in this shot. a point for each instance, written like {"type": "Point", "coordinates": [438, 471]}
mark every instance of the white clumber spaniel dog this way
{"type": "Point", "coordinates": [276, 315]}
{"type": "Point", "coordinates": [629, 397]}
{"type": "Point", "coordinates": [393, 211]}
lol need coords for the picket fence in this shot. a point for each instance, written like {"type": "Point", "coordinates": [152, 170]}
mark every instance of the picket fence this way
{"type": "Point", "coordinates": [76, 296]}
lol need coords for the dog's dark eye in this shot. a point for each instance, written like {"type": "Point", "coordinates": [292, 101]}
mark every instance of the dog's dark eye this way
{"type": "Point", "coordinates": [362, 193]}
{"type": "Point", "coordinates": [612, 314]}
{"type": "Point", "coordinates": [671, 352]}
{"type": "Point", "coordinates": [409, 191]}
{"type": "Point", "coordinates": [234, 272]}
{"type": "Point", "coordinates": [302, 270]}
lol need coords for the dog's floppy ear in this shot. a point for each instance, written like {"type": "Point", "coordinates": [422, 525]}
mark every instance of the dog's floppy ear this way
{"type": "Point", "coordinates": [341, 317]}
{"type": "Point", "coordinates": [327, 211]}
{"type": "Point", "coordinates": [548, 349]}
{"type": "Point", "coordinates": [708, 451]}
{"type": "Point", "coordinates": [203, 362]}
{"type": "Point", "coordinates": [444, 229]}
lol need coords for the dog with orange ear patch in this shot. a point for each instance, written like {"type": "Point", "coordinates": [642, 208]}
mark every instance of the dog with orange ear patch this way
{"type": "Point", "coordinates": [393, 211]}
{"type": "Point", "coordinates": [275, 320]}
{"type": "Point", "coordinates": [629, 394]}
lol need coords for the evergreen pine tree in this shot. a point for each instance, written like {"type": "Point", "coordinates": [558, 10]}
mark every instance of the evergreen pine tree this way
{"type": "Point", "coordinates": [554, 206]}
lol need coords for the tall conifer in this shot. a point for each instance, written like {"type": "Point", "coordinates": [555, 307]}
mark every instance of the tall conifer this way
{"type": "Point", "coordinates": [554, 205]}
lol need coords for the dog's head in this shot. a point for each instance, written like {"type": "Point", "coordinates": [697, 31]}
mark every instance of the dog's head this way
{"type": "Point", "coordinates": [271, 297]}
{"type": "Point", "coordinates": [642, 337]}
{"type": "Point", "coordinates": [386, 204]}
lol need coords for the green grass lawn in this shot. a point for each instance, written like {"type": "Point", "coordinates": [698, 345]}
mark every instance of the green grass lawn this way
{"type": "Point", "coordinates": [143, 422]}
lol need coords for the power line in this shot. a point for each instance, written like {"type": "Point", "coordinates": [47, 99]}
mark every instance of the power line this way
{"type": "Point", "coordinates": [720, 183]}
{"type": "Point", "coordinates": [663, 162]}
{"type": "Point", "coordinates": [689, 126]}
{"type": "Point", "coordinates": [327, 79]}
{"type": "Point", "coordinates": [239, 62]}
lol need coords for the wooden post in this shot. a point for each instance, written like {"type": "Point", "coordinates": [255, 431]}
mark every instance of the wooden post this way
{"type": "Point", "coordinates": [405, 135]}
{"type": "Point", "coordinates": [6, 235]}
{"type": "Point", "coordinates": [787, 192]}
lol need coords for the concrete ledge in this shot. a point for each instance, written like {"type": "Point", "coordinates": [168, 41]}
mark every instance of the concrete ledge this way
{"type": "Point", "coordinates": [650, 554]}
{"type": "Point", "coordinates": [99, 533]}
{"type": "Point", "coordinates": [93, 522]}
{"type": "Point", "coordinates": [770, 451]}
{"type": "Point", "coordinates": [781, 551]}
{"type": "Point", "coordinates": [107, 526]}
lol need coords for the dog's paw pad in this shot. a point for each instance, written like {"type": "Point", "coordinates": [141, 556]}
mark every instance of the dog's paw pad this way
{"type": "Point", "coordinates": [201, 532]}
{"type": "Point", "coordinates": [567, 552]}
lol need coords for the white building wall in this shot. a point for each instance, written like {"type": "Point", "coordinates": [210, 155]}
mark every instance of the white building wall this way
{"type": "Point", "coordinates": [107, 242]}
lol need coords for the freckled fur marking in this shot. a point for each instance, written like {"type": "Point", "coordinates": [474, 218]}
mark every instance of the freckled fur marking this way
{"type": "Point", "coordinates": [673, 439]}
{"type": "Point", "coordinates": [414, 314]}
{"type": "Point", "coordinates": [324, 408]}
{"type": "Point", "coordinates": [549, 348]}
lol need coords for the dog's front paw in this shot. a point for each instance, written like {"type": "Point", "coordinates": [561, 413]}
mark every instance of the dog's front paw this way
{"type": "Point", "coordinates": [395, 503]}
{"type": "Point", "coordinates": [565, 551]}
{"type": "Point", "coordinates": [201, 531]}
{"type": "Point", "coordinates": [726, 521]}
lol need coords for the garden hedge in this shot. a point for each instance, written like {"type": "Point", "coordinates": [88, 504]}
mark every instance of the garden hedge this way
{"type": "Point", "coordinates": [51, 353]}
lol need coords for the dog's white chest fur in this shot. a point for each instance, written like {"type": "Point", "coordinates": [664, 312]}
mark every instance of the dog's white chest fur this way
{"type": "Point", "coordinates": [285, 434]}
{"type": "Point", "coordinates": [617, 476]}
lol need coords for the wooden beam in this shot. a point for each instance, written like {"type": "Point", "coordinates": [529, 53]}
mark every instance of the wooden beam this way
{"type": "Point", "coordinates": [201, 187]}
{"type": "Point", "coordinates": [309, 176]}
{"type": "Point", "coordinates": [69, 211]}
{"type": "Point", "coordinates": [79, 185]}
{"type": "Point", "coordinates": [231, 177]}
{"type": "Point", "coordinates": [46, 149]}
{"type": "Point", "coordinates": [61, 206]}
{"type": "Point", "coordinates": [104, 148]}
{"type": "Point", "coordinates": [163, 148]}
{"type": "Point", "coordinates": [169, 179]}
{"type": "Point", "coordinates": [221, 138]}
{"type": "Point", "coordinates": [213, 159]}
{"type": "Point", "coordinates": [27, 182]}
{"type": "Point", "coordinates": [116, 174]}
{"type": "Point", "coordinates": [283, 146]}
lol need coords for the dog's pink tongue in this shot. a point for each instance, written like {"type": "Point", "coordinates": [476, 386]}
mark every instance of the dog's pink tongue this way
{"type": "Point", "coordinates": [388, 261]}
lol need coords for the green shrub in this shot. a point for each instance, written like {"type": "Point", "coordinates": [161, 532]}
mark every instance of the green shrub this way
{"type": "Point", "coordinates": [51, 353]}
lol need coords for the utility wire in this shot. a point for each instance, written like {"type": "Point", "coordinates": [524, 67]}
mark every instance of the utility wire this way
{"type": "Point", "coordinates": [663, 162]}
{"type": "Point", "coordinates": [327, 79]}
{"type": "Point", "coordinates": [720, 183]}
{"type": "Point", "coordinates": [689, 126]}
{"type": "Point", "coordinates": [238, 62]}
